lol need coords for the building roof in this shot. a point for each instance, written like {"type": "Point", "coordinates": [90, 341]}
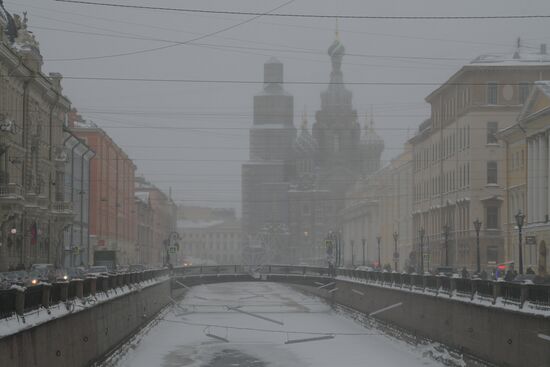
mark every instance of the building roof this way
{"type": "Point", "coordinates": [197, 224]}
{"type": "Point", "coordinates": [142, 196]}
{"type": "Point", "coordinates": [520, 57]}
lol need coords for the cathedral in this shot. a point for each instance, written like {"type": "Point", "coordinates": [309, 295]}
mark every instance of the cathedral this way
{"type": "Point", "coordinates": [294, 183]}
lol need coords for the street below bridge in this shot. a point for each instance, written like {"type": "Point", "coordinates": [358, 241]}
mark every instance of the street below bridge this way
{"type": "Point", "coordinates": [257, 324]}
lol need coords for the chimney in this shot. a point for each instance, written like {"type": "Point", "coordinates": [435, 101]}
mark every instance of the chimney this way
{"type": "Point", "coordinates": [543, 48]}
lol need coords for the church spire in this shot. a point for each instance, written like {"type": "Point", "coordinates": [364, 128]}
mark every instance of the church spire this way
{"type": "Point", "coordinates": [304, 119]}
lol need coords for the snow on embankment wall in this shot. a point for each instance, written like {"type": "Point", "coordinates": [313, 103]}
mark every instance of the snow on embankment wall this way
{"type": "Point", "coordinates": [497, 333]}
{"type": "Point", "coordinates": [81, 336]}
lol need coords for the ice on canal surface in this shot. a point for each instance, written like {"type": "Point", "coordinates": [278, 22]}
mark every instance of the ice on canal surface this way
{"type": "Point", "coordinates": [255, 336]}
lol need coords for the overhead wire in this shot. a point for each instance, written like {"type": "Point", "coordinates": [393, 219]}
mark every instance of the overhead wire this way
{"type": "Point", "coordinates": [323, 16]}
{"type": "Point", "coordinates": [210, 34]}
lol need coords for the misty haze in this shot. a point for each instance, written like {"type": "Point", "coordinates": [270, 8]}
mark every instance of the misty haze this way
{"type": "Point", "coordinates": [274, 183]}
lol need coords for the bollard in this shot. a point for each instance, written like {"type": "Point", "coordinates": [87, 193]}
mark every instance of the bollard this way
{"type": "Point", "coordinates": [93, 286]}
{"type": "Point", "coordinates": [452, 287]}
{"type": "Point", "coordinates": [437, 284]}
{"type": "Point", "coordinates": [46, 290]}
{"type": "Point", "coordinates": [496, 291]}
{"type": "Point", "coordinates": [473, 285]}
{"type": "Point", "coordinates": [20, 301]}
{"type": "Point", "coordinates": [64, 291]}
{"type": "Point", "coordinates": [524, 294]}
{"type": "Point", "coordinates": [79, 288]}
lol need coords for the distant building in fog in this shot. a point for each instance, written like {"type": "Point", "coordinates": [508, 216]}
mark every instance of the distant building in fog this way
{"type": "Point", "coordinates": [209, 236]}
{"type": "Point", "coordinates": [293, 186]}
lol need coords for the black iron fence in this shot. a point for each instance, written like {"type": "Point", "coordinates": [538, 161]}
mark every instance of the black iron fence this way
{"type": "Point", "coordinates": [488, 290]}
{"type": "Point", "coordinates": [22, 300]}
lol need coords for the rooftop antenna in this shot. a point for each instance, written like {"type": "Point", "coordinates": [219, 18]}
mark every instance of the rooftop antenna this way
{"type": "Point", "coordinates": [518, 46]}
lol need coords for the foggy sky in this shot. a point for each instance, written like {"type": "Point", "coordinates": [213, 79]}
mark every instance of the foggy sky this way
{"type": "Point", "coordinates": [204, 164]}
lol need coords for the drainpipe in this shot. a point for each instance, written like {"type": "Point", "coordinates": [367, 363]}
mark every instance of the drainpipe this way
{"type": "Point", "coordinates": [82, 158]}
{"type": "Point", "coordinates": [72, 200]}
{"type": "Point", "coordinates": [88, 191]}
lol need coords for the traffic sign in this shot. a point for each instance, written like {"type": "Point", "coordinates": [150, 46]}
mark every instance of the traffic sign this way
{"type": "Point", "coordinates": [530, 240]}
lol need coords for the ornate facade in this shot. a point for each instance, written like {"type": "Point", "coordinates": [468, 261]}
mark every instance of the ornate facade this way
{"type": "Point", "coordinates": [33, 209]}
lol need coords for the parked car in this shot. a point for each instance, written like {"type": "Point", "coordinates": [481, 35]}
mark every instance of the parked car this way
{"type": "Point", "coordinates": [137, 268]}
{"type": "Point", "coordinates": [364, 268]}
{"type": "Point", "coordinates": [17, 277]}
{"type": "Point", "coordinates": [43, 272]}
{"type": "Point", "coordinates": [98, 270]}
{"type": "Point", "coordinates": [444, 270]}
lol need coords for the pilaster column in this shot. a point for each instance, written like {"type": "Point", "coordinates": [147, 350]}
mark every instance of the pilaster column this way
{"type": "Point", "coordinates": [530, 170]}
{"type": "Point", "coordinates": [547, 178]}
{"type": "Point", "coordinates": [536, 183]}
{"type": "Point", "coordinates": [542, 177]}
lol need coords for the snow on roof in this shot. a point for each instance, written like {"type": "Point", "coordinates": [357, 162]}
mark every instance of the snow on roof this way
{"type": "Point", "coordinates": [544, 86]}
{"type": "Point", "coordinates": [142, 196]}
{"type": "Point", "coordinates": [86, 124]}
{"type": "Point", "coordinates": [197, 224]}
{"type": "Point", "coordinates": [519, 57]}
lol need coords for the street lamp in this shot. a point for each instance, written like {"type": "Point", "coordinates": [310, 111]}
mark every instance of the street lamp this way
{"type": "Point", "coordinates": [378, 238]}
{"type": "Point", "coordinates": [352, 242]}
{"type": "Point", "coordinates": [395, 253]}
{"type": "Point", "coordinates": [446, 229]}
{"type": "Point", "coordinates": [363, 241]}
{"type": "Point", "coordinates": [421, 233]}
{"type": "Point", "coordinates": [477, 226]}
{"type": "Point", "coordinates": [519, 221]}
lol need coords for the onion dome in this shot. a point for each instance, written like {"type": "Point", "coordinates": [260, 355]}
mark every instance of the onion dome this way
{"type": "Point", "coordinates": [370, 137]}
{"type": "Point", "coordinates": [305, 144]}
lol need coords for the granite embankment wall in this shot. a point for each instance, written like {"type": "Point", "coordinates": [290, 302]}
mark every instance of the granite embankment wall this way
{"type": "Point", "coordinates": [499, 335]}
{"type": "Point", "coordinates": [81, 337]}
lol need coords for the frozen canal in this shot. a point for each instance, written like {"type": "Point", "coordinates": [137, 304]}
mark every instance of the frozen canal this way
{"type": "Point", "coordinates": [270, 316]}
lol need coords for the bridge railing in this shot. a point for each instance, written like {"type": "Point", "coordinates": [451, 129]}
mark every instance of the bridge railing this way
{"type": "Point", "coordinates": [23, 300]}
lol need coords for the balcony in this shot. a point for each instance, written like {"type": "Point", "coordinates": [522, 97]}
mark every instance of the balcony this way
{"type": "Point", "coordinates": [62, 208]}
{"type": "Point", "coordinates": [11, 192]}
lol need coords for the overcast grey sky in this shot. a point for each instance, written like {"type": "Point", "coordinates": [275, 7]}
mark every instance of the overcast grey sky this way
{"type": "Point", "coordinates": [202, 129]}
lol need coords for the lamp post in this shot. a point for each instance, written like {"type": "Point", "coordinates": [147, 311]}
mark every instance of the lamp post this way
{"type": "Point", "coordinates": [395, 253]}
{"type": "Point", "coordinates": [446, 229]}
{"type": "Point", "coordinates": [379, 238]}
{"type": "Point", "coordinates": [520, 217]}
{"type": "Point", "coordinates": [352, 242]}
{"type": "Point", "coordinates": [421, 233]}
{"type": "Point", "coordinates": [477, 226]}
{"type": "Point", "coordinates": [363, 241]}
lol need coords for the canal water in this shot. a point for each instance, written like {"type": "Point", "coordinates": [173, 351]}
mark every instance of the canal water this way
{"type": "Point", "coordinates": [259, 324]}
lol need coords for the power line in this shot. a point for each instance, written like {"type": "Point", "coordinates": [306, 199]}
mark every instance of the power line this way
{"type": "Point", "coordinates": [292, 82]}
{"type": "Point", "coordinates": [130, 53]}
{"type": "Point", "coordinates": [330, 16]}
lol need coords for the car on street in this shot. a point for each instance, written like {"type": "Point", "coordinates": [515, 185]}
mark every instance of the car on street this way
{"type": "Point", "coordinates": [97, 270]}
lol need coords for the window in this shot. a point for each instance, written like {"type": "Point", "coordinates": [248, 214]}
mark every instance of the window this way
{"type": "Point", "coordinates": [523, 92]}
{"type": "Point", "coordinates": [492, 129]}
{"type": "Point", "coordinates": [492, 90]}
{"type": "Point", "coordinates": [492, 172]}
{"type": "Point", "coordinates": [492, 217]}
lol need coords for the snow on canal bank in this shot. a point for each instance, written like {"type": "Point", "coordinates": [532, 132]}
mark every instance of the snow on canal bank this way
{"type": "Point", "coordinates": [251, 325]}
